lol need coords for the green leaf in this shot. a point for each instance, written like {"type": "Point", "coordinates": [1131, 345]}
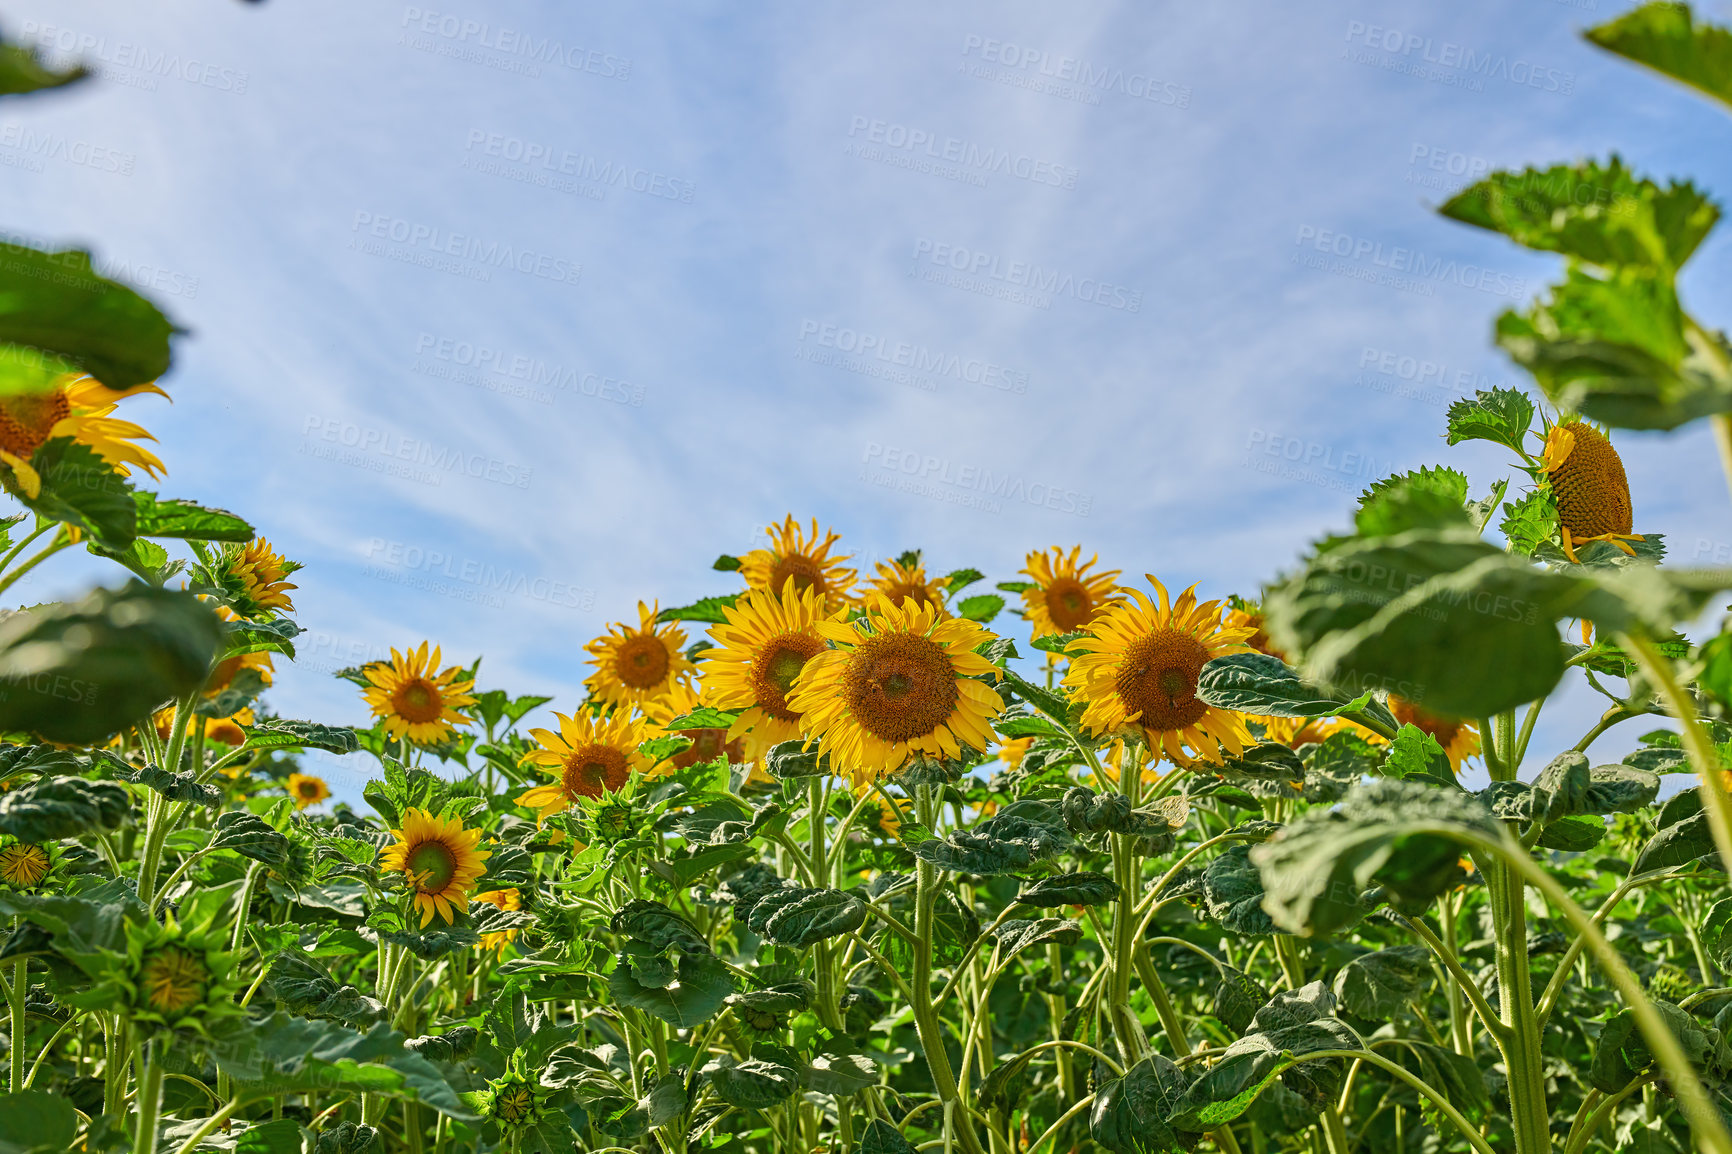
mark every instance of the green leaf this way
{"type": "Point", "coordinates": [84, 491]}
{"type": "Point", "coordinates": [1622, 1052]}
{"type": "Point", "coordinates": [1457, 1075]}
{"type": "Point", "coordinates": [1680, 843]}
{"type": "Point", "coordinates": [303, 987]}
{"type": "Point", "coordinates": [1232, 891]}
{"type": "Point", "coordinates": [1573, 834]}
{"type": "Point", "coordinates": [1667, 39]}
{"type": "Point", "coordinates": [1084, 888]}
{"type": "Point", "coordinates": [982, 608]}
{"type": "Point", "coordinates": [176, 786]}
{"type": "Point", "coordinates": [790, 759]}
{"type": "Point", "coordinates": [1000, 845]}
{"type": "Point", "coordinates": [708, 609]}
{"type": "Point", "coordinates": [451, 1046]}
{"type": "Point", "coordinates": [1425, 498]}
{"type": "Point", "coordinates": [1018, 934]}
{"type": "Point", "coordinates": [1259, 684]}
{"type": "Point", "coordinates": [814, 917]}
{"type": "Point", "coordinates": [76, 672]}
{"type": "Point", "coordinates": [1238, 997]}
{"type": "Point", "coordinates": [345, 1138]}
{"type": "Point", "coordinates": [32, 1121]}
{"type": "Point", "coordinates": [1378, 985]}
{"type": "Point", "coordinates": [1057, 642]}
{"type": "Point", "coordinates": [706, 717]}
{"type": "Point", "coordinates": [959, 579]}
{"type": "Point", "coordinates": [753, 1084]}
{"type": "Point", "coordinates": [1499, 415]}
{"type": "Point", "coordinates": [279, 733]}
{"type": "Point", "coordinates": [840, 1074]}
{"type": "Point", "coordinates": [1293, 1024]}
{"type": "Point", "coordinates": [1315, 869]}
{"type": "Point", "coordinates": [1599, 213]}
{"type": "Point", "coordinates": [250, 837]}
{"type": "Point", "coordinates": [704, 983]}
{"type": "Point", "coordinates": [162, 517]}
{"type": "Point", "coordinates": [1716, 933]}
{"type": "Point", "coordinates": [726, 564]}
{"type": "Point", "coordinates": [1415, 755]}
{"type": "Point", "coordinates": [1131, 1114]}
{"type": "Point", "coordinates": [53, 808]}
{"type": "Point", "coordinates": [656, 927]}
{"type": "Point", "coordinates": [22, 71]}
{"type": "Point", "coordinates": [880, 1137]}
{"type": "Point", "coordinates": [53, 301]}
{"type": "Point", "coordinates": [1530, 522]}
{"type": "Point", "coordinates": [279, 1136]}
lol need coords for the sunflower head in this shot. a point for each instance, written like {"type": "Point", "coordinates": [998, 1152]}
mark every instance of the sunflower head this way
{"type": "Point", "coordinates": [801, 559]}
{"type": "Point", "coordinates": [439, 858]}
{"type": "Point", "coordinates": [78, 407]}
{"type": "Point", "coordinates": [1459, 738]}
{"type": "Point", "coordinates": [638, 665]}
{"type": "Point", "coordinates": [172, 978]}
{"type": "Point", "coordinates": [418, 701]}
{"type": "Point", "coordinates": [589, 757]}
{"type": "Point", "coordinates": [1587, 480]}
{"type": "Point", "coordinates": [1139, 670]}
{"type": "Point", "coordinates": [1066, 597]}
{"type": "Point", "coordinates": [306, 790]}
{"type": "Point", "coordinates": [515, 1101]}
{"type": "Point", "coordinates": [1242, 614]}
{"type": "Point", "coordinates": [904, 579]}
{"type": "Point", "coordinates": [255, 578]}
{"type": "Point", "coordinates": [760, 649]}
{"type": "Point", "coordinates": [899, 682]}
{"type": "Point", "coordinates": [24, 864]}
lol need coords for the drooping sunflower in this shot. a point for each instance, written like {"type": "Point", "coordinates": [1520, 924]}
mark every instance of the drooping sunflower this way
{"type": "Point", "coordinates": [418, 700]}
{"type": "Point", "coordinates": [1139, 670]}
{"type": "Point", "coordinates": [307, 790]}
{"type": "Point", "coordinates": [440, 859]}
{"type": "Point", "coordinates": [897, 583]}
{"type": "Point", "coordinates": [76, 406]}
{"type": "Point", "coordinates": [766, 641]}
{"type": "Point", "coordinates": [1587, 480]}
{"type": "Point", "coordinates": [1459, 738]}
{"type": "Point", "coordinates": [508, 899]}
{"type": "Point", "coordinates": [588, 757]}
{"type": "Point", "coordinates": [24, 864]}
{"type": "Point", "coordinates": [1066, 597]}
{"type": "Point", "coordinates": [706, 744]}
{"type": "Point", "coordinates": [801, 559]}
{"type": "Point", "coordinates": [633, 666]}
{"type": "Point", "coordinates": [256, 577]}
{"type": "Point", "coordinates": [899, 682]}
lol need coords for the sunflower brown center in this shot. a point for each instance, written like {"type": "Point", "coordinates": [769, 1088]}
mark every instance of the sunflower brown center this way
{"type": "Point", "coordinates": [592, 769]}
{"type": "Point", "coordinates": [307, 789]}
{"type": "Point", "coordinates": [432, 865]}
{"type": "Point", "coordinates": [1592, 492]}
{"type": "Point", "coordinates": [1444, 729]}
{"type": "Point", "coordinates": [418, 701]}
{"type": "Point", "coordinates": [914, 591]}
{"type": "Point", "coordinates": [774, 671]}
{"type": "Point", "coordinates": [899, 685]}
{"type": "Point", "coordinates": [23, 865]}
{"type": "Point", "coordinates": [1158, 679]}
{"type": "Point", "coordinates": [1069, 604]}
{"type": "Point", "coordinates": [25, 421]}
{"type": "Point", "coordinates": [172, 979]}
{"type": "Point", "coordinates": [643, 661]}
{"type": "Point", "coordinates": [802, 570]}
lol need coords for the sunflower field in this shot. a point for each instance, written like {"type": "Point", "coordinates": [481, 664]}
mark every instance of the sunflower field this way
{"type": "Point", "coordinates": [900, 860]}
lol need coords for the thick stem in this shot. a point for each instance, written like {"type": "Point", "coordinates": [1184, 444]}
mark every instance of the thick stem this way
{"type": "Point", "coordinates": [15, 993]}
{"type": "Point", "coordinates": [149, 1099]}
{"type": "Point", "coordinates": [1520, 1037]}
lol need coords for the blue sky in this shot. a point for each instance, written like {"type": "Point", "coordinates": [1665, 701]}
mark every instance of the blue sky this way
{"type": "Point", "coordinates": [570, 299]}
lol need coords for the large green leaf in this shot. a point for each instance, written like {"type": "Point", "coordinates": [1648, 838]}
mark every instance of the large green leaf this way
{"type": "Point", "coordinates": [1500, 415]}
{"type": "Point", "coordinates": [54, 301]}
{"type": "Point", "coordinates": [303, 987]}
{"type": "Point", "coordinates": [703, 984]}
{"type": "Point", "coordinates": [1232, 891]}
{"type": "Point", "coordinates": [999, 845]}
{"type": "Point", "coordinates": [708, 610]}
{"type": "Point", "coordinates": [22, 70]}
{"type": "Point", "coordinates": [1424, 498]}
{"type": "Point", "coordinates": [1622, 1052]}
{"type": "Point", "coordinates": [1666, 38]}
{"type": "Point", "coordinates": [1018, 934]}
{"type": "Point", "coordinates": [52, 808]}
{"type": "Point", "coordinates": [250, 836]}
{"type": "Point", "coordinates": [279, 733]}
{"type": "Point", "coordinates": [815, 916]}
{"type": "Point", "coordinates": [85, 491]}
{"type": "Point", "coordinates": [754, 1084]}
{"type": "Point", "coordinates": [1130, 1114]}
{"type": "Point", "coordinates": [1257, 683]}
{"type": "Point", "coordinates": [166, 517]}
{"type": "Point", "coordinates": [657, 927]}
{"type": "Point", "coordinates": [33, 1121]}
{"type": "Point", "coordinates": [1083, 888]}
{"type": "Point", "coordinates": [1377, 985]}
{"type": "Point", "coordinates": [79, 671]}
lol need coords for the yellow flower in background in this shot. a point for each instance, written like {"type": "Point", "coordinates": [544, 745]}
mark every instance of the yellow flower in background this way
{"type": "Point", "coordinates": [1459, 738]}
{"type": "Point", "coordinates": [223, 673]}
{"type": "Point", "coordinates": [223, 730]}
{"type": "Point", "coordinates": [1011, 751]}
{"type": "Point", "coordinates": [507, 900]}
{"type": "Point", "coordinates": [418, 700]}
{"type": "Point", "coordinates": [441, 860]}
{"type": "Point", "coordinates": [1588, 482]}
{"type": "Point", "coordinates": [1245, 615]}
{"type": "Point", "coordinates": [766, 641]}
{"type": "Point", "coordinates": [899, 682]}
{"type": "Point", "coordinates": [1066, 596]}
{"type": "Point", "coordinates": [1297, 731]}
{"type": "Point", "coordinates": [77, 406]}
{"type": "Point", "coordinates": [307, 790]}
{"type": "Point", "coordinates": [707, 744]}
{"type": "Point", "coordinates": [796, 558]}
{"type": "Point", "coordinates": [588, 757]}
{"type": "Point", "coordinates": [633, 666]}
{"type": "Point", "coordinates": [897, 583]}
{"type": "Point", "coordinates": [24, 864]}
{"type": "Point", "coordinates": [261, 572]}
{"type": "Point", "coordinates": [1140, 670]}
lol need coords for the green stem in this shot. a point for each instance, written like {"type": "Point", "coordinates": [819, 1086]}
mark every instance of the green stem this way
{"type": "Point", "coordinates": [210, 1126]}
{"type": "Point", "coordinates": [38, 558]}
{"type": "Point", "coordinates": [16, 990]}
{"type": "Point", "coordinates": [149, 1099]}
{"type": "Point", "coordinates": [1396, 1070]}
{"type": "Point", "coordinates": [12, 554]}
{"type": "Point", "coordinates": [1520, 1037]}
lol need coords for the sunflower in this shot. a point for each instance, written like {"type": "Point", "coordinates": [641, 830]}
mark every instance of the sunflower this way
{"type": "Point", "coordinates": [78, 407]}
{"type": "Point", "coordinates": [800, 560]}
{"type": "Point", "coordinates": [172, 980]}
{"type": "Point", "coordinates": [899, 682]}
{"type": "Point", "coordinates": [1296, 731]}
{"type": "Point", "coordinates": [257, 576]}
{"type": "Point", "coordinates": [891, 817]}
{"type": "Point", "coordinates": [1012, 750]}
{"type": "Point", "coordinates": [590, 756]}
{"type": "Point", "coordinates": [506, 900]}
{"type": "Point", "coordinates": [24, 864]}
{"type": "Point", "coordinates": [1588, 482]}
{"type": "Point", "coordinates": [1140, 669]}
{"type": "Point", "coordinates": [307, 790]}
{"type": "Point", "coordinates": [416, 702]}
{"type": "Point", "coordinates": [1066, 597]}
{"type": "Point", "coordinates": [634, 666]}
{"type": "Point", "coordinates": [173, 977]}
{"type": "Point", "coordinates": [765, 642]}
{"type": "Point", "coordinates": [1243, 614]}
{"type": "Point", "coordinates": [222, 730]}
{"type": "Point", "coordinates": [706, 744]}
{"type": "Point", "coordinates": [898, 582]}
{"type": "Point", "coordinates": [1460, 739]}
{"type": "Point", "coordinates": [440, 859]}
